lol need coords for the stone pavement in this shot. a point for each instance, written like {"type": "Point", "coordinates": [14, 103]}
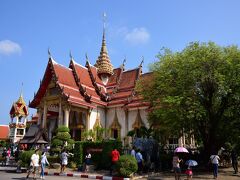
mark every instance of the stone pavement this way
{"type": "Point", "coordinates": [224, 174]}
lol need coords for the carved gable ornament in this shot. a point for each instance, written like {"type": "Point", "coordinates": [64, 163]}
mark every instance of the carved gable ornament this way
{"type": "Point", "coordinates": [138, 122]}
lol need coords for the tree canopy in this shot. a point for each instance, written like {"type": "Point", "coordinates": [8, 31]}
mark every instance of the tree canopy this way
{"type": "Point", "coordinates": [197, 91]}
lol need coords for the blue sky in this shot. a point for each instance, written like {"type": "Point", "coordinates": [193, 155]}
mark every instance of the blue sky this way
{"type": "Point", "coordinates": [134, 29]}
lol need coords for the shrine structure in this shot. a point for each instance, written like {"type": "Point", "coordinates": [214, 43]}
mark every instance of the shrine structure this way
{"type": "Point", "coordinates": [84, 97]}
{"type": "Point", "coordinates": [18, 114]}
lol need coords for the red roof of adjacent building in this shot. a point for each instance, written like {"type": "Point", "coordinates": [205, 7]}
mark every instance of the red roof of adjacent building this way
{"type": "Point", "coordinates": [4, 132]}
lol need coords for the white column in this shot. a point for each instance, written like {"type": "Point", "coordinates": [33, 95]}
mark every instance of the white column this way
{"type": "Point", "coordinates": [15, 130]}
{"type": "Point", "coordinates": [88, 119]}
{"type": "Point", "coordinates": [60, 115]}
{"type": "Point", "coordinates": [44, 116]}
{"type": "Point", "coordinates": [66, 116]}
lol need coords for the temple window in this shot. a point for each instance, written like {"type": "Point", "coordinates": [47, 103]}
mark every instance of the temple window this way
{"type": "Point", "coordinates": [115, 127]}
{"type": "Point", "coordinates": [138, 123]}
{"type": "Point", "coordinates": [173, 142]}
{"type": "Point", "coordinates": [20, 132]}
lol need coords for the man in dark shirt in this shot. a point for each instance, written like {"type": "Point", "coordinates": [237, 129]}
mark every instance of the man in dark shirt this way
{"type": "Point", "coordinates": [234, 161]}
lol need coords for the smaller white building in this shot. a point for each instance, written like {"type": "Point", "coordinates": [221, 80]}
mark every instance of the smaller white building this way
{"type": "Point", "coordinates": [18, 114]}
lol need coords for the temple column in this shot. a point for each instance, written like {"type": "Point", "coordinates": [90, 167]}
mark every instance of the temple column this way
{"type": "Point", "coordinates": [88, 119]}
{"type": "Point", "coordinates": [66, 116]}
{"type": "Point", "coordinates": [44, 115]}
{"type": "Point", "coordinates": [60, 115]}
{"type": "Point", "coordinates": [15, 129]}
{"type": "Point", "coordinates": [126, 127]}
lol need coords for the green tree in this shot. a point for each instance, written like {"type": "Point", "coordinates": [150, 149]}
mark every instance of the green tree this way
{"type": "Point", "coordinates": [197, 91]}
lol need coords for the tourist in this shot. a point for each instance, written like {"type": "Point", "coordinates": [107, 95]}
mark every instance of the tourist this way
{"type": "Point", "coordinates": [133, 152]}
{"type": "Point", "coordinates": [115, 157]}
{"type": "Point", "coordinates": [4, 155]}
{"type": "Point", "coordinates": [64, 160]}
{"type": "Point", "coordinates": [139, 159]}
{"type": "Point", "coordinates": [214, 159]}
{"type": "Point", "coordinates": [44, 161]}
{"type": "Point", "coordinates": [8, 156]}
{"type": "Point", "coordinates": [87, 161]}
{"type": "Point", "coordinates": [234, 157]}
{"type": "Point", "coordinates": [176, 166]}
{"type": "Point", "coordinates": [189, 172]}
{"type": "Point", "coordinates": [34, 164]}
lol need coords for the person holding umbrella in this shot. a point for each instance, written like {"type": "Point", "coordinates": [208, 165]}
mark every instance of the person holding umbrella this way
{"type": "Point", "coordinates": [189, 172]}
{"type": "Point", "coordinates": [176, 166]}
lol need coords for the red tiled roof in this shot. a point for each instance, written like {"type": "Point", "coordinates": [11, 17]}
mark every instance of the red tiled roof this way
{"type": "Point", "coordinates": [114, 78]}
{"type": "Point", "coordinates": [128, 79]}
{"type": "Point", "coordinates": [4, 132]}
{"type": "Point", "coordinates": [65, 76]}
{"type": "Point", "coordinates": [119, 87]}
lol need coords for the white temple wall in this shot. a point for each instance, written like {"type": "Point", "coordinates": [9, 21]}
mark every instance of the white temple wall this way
{"type": "Point", "coordinates": [93, 117]}
{"type": "Point", "coordinates": [132, 114]}
{"type": "Point", "coordinates": [102, 116]}
{"type": "Point", "coordinates": [144, 114]}
{"type": "Point", "coordinates": [110, 116]}
{"type": "Point", "coordinates": [121, 119]}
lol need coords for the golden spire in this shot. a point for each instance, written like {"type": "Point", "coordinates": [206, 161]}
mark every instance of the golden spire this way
{"type": "Point", "coordinates": [103, 63]}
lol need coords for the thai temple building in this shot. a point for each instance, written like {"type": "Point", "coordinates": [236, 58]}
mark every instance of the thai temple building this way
{"type": "Point", "coordinates": [18, 114]}
{"type": "Point", "coordinates": [83, 97]}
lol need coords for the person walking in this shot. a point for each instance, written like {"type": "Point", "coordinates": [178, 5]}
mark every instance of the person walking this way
{"type": "Point", "coordinates": [176, 166]}
{"type": "Point", "coordinates": [64, 160]}
{"type": "Point", "coordinates": [34, 165]}
{"type": "Point", "coordinates": [87, 161]}
{"type": "Point", "coordinates": [214, 159]}
{"type": "Point", "coordinates": [115, 157]}
{"type": "Point", "coordinates": [234, 157]}
{"type": "Point", "coordinates": [4, 155]}
{"type": "Point", "coordinates": [133, 151]}
{"type": "Point", "coordinates": [8, 156]}
{"type": "Point", "coordinates": [139, 159]}
{"type": "Point", "coordinates": [44, 161]}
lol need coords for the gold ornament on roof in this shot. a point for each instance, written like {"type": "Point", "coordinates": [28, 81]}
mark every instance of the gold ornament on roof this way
{"type": "Point", "coordinates": [138, 122]}
{"type": "Point", "coordinates": [103, 62]}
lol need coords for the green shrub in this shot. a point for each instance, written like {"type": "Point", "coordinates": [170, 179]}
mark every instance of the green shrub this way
{"type": "Point", "coordinates": [53, 159]}
{"type": "Point", "coordinates": [72, 164]}
{"type": "Point", "coordinates": [126, 166]}
{"type": "Point", "coordinates": [102, 160]}
{"type": "Point", "coordinates": [62, 129]}
{"type": "Point", "coordinates": [64, 136]}
{"type": "Point", "coordinates": [25, 157]}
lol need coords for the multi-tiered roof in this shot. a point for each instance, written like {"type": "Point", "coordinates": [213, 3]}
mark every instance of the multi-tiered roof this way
{"type": "Point", "coordinates": [85, 85]}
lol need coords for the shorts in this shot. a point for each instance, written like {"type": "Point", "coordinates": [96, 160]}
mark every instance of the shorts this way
{"type": "Point", "coordinates": [189, 172]}
{"type": "Point", "coordinates": [33, 169]}
{"type": "Point", "coordinates": [177, 170]}
{"type": "Point", "coordinates": [64, 162]}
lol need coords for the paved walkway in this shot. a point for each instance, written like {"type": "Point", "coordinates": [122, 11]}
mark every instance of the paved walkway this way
{"type": "Point", "coordinates": [224, 174]}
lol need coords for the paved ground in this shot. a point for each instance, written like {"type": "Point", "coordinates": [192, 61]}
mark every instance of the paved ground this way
{"type": "Point", "coordinates": [224, 174]}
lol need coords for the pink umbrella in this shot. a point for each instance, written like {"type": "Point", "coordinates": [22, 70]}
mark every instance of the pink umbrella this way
{"type": "Point", "coordinates": [181, 149]}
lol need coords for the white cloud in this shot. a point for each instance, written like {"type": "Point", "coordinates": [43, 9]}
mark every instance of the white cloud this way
{"type": "Point", "coordinates": [8, 47]}
{"type": "Point", "coordinates": [137, 36]}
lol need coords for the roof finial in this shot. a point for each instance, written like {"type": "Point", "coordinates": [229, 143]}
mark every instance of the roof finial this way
{"type": "Point", "coordinates": [70, 55]}
{"type": "Point", "coordinates": [49, 54]}
{"type": "Point", "coordinates": [141, 62]}
{"type": "Point", "coordinates": [86, 56]}
{"type": "Point", "coordinates": [104, 21]}
{"type": "Point", "coordinates": [21, 93]}
{"type": "Point", "coordinates": [124, 62]}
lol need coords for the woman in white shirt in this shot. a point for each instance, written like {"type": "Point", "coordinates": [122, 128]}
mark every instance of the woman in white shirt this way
{"type": "Point", "coordinates": [44, 161]}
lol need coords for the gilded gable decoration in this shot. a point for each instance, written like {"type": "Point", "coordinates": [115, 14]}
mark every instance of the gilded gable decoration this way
{"type": "Point", "coordinates": [138, 121]}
